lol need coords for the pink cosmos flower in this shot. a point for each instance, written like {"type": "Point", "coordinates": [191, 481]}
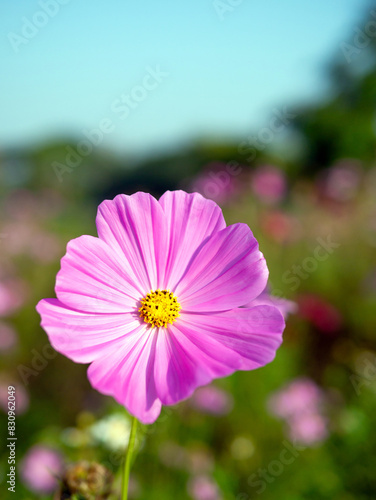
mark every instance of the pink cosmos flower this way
{"type": "Point", "coordinates": [203, 488]}
{"type": "Point", "coordinates": [212, 400]}
{"type": "Point", "coordinates": [269, 184]}
{"type": "Point", "coordinates": [285, 306]}
{"type": "Point", "coordinates": [308, 429]}
{"type": "Point", "coordinates": [302, 405]}
{"type": "Point", "coordinates": [41, 468]}
{"type": "Point", "coordinates": [300, 396]}
{"type": "Point", "coordinates": [323, 315]}
{"type": "Point", "coordinates": [218, 182]}
{"type": "Point", "coordinates": [154, 303]}
{"type": "Point", "coordinates": [12, 296]}
{"type": "Point", "coordinates": [341, 181]}
{"type": "Point", "coordinates": [280, 226]}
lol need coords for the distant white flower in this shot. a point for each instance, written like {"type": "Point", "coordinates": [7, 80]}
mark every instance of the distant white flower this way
{"type": "Point", "coordinates": [112, 431]}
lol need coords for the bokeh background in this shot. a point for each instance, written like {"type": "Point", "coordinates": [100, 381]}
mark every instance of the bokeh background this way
{"type": "Point", "coordinates": [267, 108]}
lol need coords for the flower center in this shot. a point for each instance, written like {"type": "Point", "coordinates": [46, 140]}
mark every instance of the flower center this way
{"type": "Point", "coordinates": [159, 308]}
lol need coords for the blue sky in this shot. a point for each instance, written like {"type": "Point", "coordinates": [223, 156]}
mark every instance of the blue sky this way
{"type": "Point", "coordinates": [221, 77]}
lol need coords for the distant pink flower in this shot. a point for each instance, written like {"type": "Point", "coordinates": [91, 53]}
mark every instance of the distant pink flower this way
{"type": "Point", "coordinates": [154, 303]}
{"type": "Point", "coordinates": [323, 315]}
{"type": "Point", "coordinates": [212, 400]}
{"type": "Point", "coordinates": [280, 226]}
{"type": "Point", "coordinates": [308, 428]}
{"type": "Point", "coordinates": [269, 184]}
{"type": "Point", "coordinates": [203, 488]}
{"type": "Point", "coordinates": [23, 204]}
{"type": "Point", "coordinates": [19, 236]}
{"type": "Point", "coordinates": [217, 183]}
{"type": "Point", "coordinates": [26, 238]}
{"type": "Point", "coordinates": [302, 405]}
{"type": "Point", "coordinates": [300, 396]}
{"type": "Point", "coordinates": [341, 181]}
{"type": "Point", "coordinates": [41, 468]}
{"type": "Point", "coordinates": [12, 296]}
{"type": "Point", "coordinates": [285, 306]}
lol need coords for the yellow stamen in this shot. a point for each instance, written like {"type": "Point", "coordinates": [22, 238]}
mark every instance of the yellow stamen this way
{"type": "Point", "coordinates": [159, 308]}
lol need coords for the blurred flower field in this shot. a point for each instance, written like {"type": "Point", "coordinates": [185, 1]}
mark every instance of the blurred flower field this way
{"type": "Point", "coordinates": [299, 428]}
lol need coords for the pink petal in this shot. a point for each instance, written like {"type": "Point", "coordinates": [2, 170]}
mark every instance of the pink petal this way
{"type": "Point", "coordinates": [284, 305]}
{"type": "Point", "coordinates": [126, 373]}
{"type": "Point", "coordinates": [191, 219]}
{"type": "Point", "coordinates": [225, 272]}
{"type": "Point", "coordinates": [135, 227]}
{"type": "Point", "coordinates": [84, 337]}
{"type": "Point", "coordinates": [200, 347]}
{"type": "Point", "coordinates": [94, 278]}
{"type": "Point", "coordinates": [177, 371]}
{"type": "Point", "coordinates": [244, 338]}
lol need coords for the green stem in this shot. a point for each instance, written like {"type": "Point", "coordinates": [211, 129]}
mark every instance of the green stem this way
{"type": "Point", "coordinates": [128, 459]}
